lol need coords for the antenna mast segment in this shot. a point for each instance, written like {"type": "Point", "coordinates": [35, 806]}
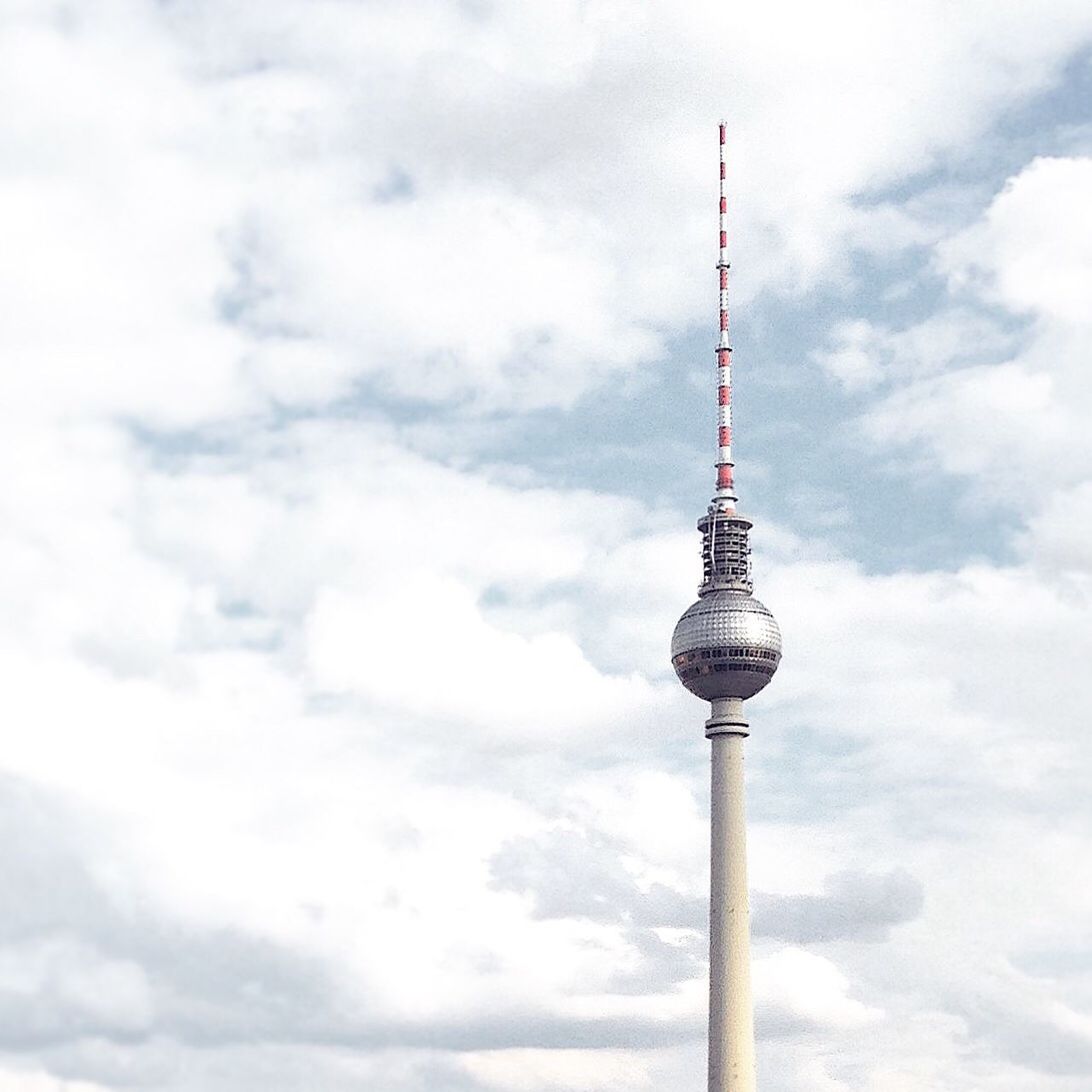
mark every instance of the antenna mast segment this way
{"type": "Point", "coordinates": [725, 497]}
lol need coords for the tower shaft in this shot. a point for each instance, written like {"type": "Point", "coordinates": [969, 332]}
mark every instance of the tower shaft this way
{"type": "Point", "coordinates": [731, 1015]}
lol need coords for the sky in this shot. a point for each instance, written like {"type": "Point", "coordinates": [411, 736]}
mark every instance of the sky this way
{"type": "Point", "coordinates": [358, 410]}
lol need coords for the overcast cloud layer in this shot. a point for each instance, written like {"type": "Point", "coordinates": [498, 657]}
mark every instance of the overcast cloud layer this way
{"type": "Point", "coordinates": [352, 355]}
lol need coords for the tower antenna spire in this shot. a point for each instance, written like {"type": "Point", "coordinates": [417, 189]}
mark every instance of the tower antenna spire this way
{"type": "Point", "coordinates": [725, 498]}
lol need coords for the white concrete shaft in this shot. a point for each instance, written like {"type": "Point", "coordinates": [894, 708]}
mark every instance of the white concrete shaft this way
{"type": "Point", "coordinates": [731, 1011]}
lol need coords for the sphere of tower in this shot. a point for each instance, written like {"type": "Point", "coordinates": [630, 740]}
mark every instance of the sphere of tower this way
{"type": "Point", "coordinates": [727, 645]}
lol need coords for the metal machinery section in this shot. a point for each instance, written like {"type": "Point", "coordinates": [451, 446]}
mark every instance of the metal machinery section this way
{"type": "Point", "coordinates": [725, 552]}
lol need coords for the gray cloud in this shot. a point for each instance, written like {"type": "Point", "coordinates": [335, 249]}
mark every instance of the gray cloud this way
{"type": "Point", "coordinates": [569, 874]}
{"type": "Point", "coordinates": [165, 1065]}
{"type": "Point", "coordinates": [129, 977]}
{"type": "Point", "coordinates": [126, 972]}
{"type": "Point", "coordinates": [1027, 1034]}
{"type": "Point", "coordinates": [855, 906]}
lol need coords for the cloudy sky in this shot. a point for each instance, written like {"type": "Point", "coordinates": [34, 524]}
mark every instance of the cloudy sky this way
{"type": "Point", "coordinates": [357, 413]}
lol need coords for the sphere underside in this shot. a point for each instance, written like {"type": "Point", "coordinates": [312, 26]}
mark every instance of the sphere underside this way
{"type": "Point", "coordinates": [727, 645]}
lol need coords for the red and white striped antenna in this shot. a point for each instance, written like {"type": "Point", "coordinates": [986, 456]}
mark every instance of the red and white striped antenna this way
{"type": "Point", "coordinates": [725, 498]}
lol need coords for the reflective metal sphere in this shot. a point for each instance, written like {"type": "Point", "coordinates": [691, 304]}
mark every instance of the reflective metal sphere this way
{"type": "Point", "coordinates": [727, 645]}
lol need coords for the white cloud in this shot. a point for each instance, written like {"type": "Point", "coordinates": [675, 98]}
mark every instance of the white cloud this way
{"type": "Point", "coordinates": [810, 988]}
{"type": "Point", "coordinates": [1010, 416]}
{"type": "Point", "coordinates": [1032, 250]}
{"type": "Point", "coordinates": [203, 159]}
{"type": "Point", "coordinates": [557, 1070]}
{"type": "Point", "coordinates": [35, 1081]}
{"type": "Point", "coordinates": [864, 354]}
{"type": "Point", "coordinates": [426, 639]}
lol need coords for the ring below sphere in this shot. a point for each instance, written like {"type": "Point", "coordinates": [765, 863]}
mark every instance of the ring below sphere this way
{"type": "Point", "coordinates": [726, 645]}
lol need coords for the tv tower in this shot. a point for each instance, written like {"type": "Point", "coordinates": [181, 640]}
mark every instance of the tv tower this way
{"type": "Point", "coordinates": [725, 649]}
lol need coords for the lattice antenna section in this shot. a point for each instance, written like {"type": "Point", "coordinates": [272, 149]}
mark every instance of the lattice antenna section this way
{"type": "Point", "coordinates": [725, 497]}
